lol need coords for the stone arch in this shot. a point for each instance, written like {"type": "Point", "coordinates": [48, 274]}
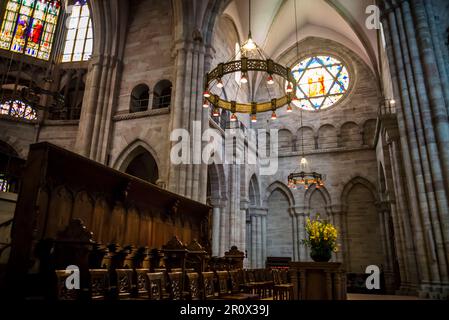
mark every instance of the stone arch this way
{"type": "Point", "coordinates": [350, 135]}
{"type": "Point", "coordinates": [327, 137]}
{"type": "Point", "coordinates": [284, 188]}
{"type": "Point", "coordinates": [108, 32]}
{"type": "Point", "coordinates": [369, 130]}
{"type": "Point", "coordinates": [354, 181]}
{"type": "Point", "coordinates": [216, 183]}
{"type": "Point", "coordinates": [362, 229]}
{"type": "Point", "coordinates": [162, 94]}
{"type": "Point", "coordinates": [307, 135]}
{"type": "Point", "coordinates": [254, 191]}
{"type": "Point", "coordinates": [140, 97]}
{"type": "Point", "coordinates": [125, 157]}
{"type": "Point", "coordinates": [147, 157]}
{"type": "Point", "coordinates": [15, 144]}
{"type": "Point", "coordinates": [314, 196]}
{"type": "Point", "coordinates": [8, 149]}
{"type": "Point", "coordinates": [279, 236]}
{"type": "Point", "coordinates": [285, 139]}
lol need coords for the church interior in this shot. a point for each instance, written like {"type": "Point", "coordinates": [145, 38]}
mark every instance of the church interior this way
{"type": "Point", "coordinates": [224, 149]}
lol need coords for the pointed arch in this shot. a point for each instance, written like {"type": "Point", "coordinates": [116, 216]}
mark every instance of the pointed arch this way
{"type": "Point", "coordinates": [352, 183]}
{"type": "Point", "coordinates": [254, 191]}
{"type": "Point", "coordinates": [133, 150]}
{"type": "Point", "coordinates": [216, 183]}
{"type": "Point", "coordinates": [78, 43]}
{"type": "Point", "coordinates": [322, 190]}
{"type": "Point", "coordinates": [283, 188]}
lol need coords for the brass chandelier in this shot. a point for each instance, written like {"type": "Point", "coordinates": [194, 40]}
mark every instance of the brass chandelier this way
{"type": "Point", "coordinates": [251, 59]}
{"type": "Point", "coordinates": [304, 176]}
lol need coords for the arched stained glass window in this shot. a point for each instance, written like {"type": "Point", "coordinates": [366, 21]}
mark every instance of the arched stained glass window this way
{"type": "Point", "coordinates": [79, 39]}
{"type": "Point", "coordinates": [29, 27]}
{"type": "Point", "coordinates": [322, 81]}
{"type": "Point", "coordinates": [18, 109]}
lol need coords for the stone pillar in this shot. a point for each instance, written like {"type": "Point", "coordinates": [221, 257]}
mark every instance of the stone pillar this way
{"type": "Point", "coordinates": [215, 231]}
{"type": "Point", "coordinates": [258, 236]}
{"type": "Point", "coordinates": [224, 231]}
{"type": "Point", "coordinates": [253, 249]}
{"type": "Point", "coordinates": [264, 239]}
{"type": "Point", "coordinates": [301, 221]}
{"type": "Point", "coordinates": [424, 131]}
{"type": "Point", "coordinates": [294, 223]}
{"type": "Point", "coordinates": [88, 112]}
{"type": "Point", "coordinates": [244, 203]}
{"type": "Point", "coordinates": [247, 261]}
{"type": "Point", "coordinates": [191, 61]}
{"type": "Point", "coordinates": [259, 261]}
{"type": "Point", "coordinates": [405, 250]}
{"type": "Point", "coordinates": [235, 221]}
{"type": "Point", "coordinates": [338, 223]}
{"type": "Point", "coordinates": [383, 209]}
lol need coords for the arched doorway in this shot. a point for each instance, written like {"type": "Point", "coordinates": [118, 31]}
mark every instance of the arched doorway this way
{"type": "Point", "coordinates": [143, 166]}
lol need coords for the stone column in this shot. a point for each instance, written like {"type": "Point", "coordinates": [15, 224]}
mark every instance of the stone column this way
{"type": "Point", "coordinates": [338, 223]}
{"type": "Point", "coordinates": [301, 221]}
{"type": "Point", "coordinates": [88, 112]}
{"type": "Point", "coordinates": [215, 231]}
{"type": "Point", "coordinates": [264, 239]}
{"type": "Point", "coordinates": [244, 204]}
{"type": "Point", "coordinates": [258, 236]}
{"type": "Point", "coordinates": [192, 59]}
{"type": "Point", "coordinates": [405, 250]}
{"type": "Point", "coordinates": [259, 261]}
{"type": "Point", "coordinates": [247, 261]}
{"type": "Point", "coordinates": [224, 231]}
{"type": "Point", "coordinates": [254, 232]}
{"type": "Point", "coordinates": [408, 139]}
{"type": "Point", "coordinates": [295, 239]}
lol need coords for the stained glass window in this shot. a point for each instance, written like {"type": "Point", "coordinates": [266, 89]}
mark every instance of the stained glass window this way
{"type": "Point", "coordinates": [322, 81]}
{"type": "Point", "coordinates": [18, 109]}
{"type": "Point", "coordinates": [29, 27]}
{"type": "Point", "coordinates": [79, 39]}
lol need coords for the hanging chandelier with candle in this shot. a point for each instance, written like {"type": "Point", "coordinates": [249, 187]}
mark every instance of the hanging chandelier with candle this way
{"type": "Point", "coordinates": [251, 60]}
{"type": "Point", "coordinates": [304, 176]}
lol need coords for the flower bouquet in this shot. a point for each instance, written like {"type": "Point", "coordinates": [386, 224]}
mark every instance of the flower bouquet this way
{"type": "Point", "coordinates": [321, 238]}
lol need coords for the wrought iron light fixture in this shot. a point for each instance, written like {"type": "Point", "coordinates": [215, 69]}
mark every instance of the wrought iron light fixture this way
{"type": "Point", "coordinates": [252, 60]}
{"type": "Point", "coordinates": [304, 176]}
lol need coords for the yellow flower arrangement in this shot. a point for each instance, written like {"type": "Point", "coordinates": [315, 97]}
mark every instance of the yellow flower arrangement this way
{"type": "Point", "coordinates": [321, 237]}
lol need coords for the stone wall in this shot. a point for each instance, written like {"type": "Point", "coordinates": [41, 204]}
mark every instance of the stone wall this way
{"type": "Point", "coordinates": [148, 49]}
{"type": "Point", "coordinates": [363, 230]}
{"type": "Point", "coordinates": [279, 226]}
{"type": "Point", "coordinates": [147, 60]}
{"type": "Point", "coordinates": [61, 133]}
{"type": "Point", "coordinates": [18, 134]}
{"type": "Point", "coordinates": [338, 142]}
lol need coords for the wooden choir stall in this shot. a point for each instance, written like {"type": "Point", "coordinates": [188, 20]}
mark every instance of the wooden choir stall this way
{"type": "Point", "coordinates": [74, 211]}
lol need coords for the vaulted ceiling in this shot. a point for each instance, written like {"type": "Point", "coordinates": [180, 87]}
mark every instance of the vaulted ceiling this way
{"type": "Point", "coordinates": [273, 24]}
